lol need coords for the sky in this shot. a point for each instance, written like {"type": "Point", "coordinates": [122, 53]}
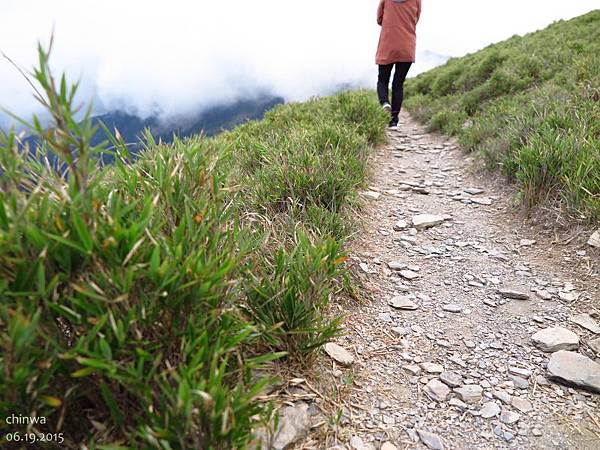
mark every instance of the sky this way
{"type": "Point", "coordinates": [184, 55]}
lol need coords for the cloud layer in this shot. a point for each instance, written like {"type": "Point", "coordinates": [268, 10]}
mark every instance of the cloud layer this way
{"type": "Point", "coordinates": [180, 55]}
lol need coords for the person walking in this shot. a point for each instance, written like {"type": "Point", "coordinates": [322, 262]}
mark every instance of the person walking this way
{"type": "Point", "coordinates": [397, 47]}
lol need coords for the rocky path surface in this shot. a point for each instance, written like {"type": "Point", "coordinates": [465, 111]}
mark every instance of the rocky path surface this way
{"type": "Point", "coordinates": [472, 312]}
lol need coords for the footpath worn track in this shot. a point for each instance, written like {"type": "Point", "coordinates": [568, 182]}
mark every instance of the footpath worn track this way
{"type": "Point", "coordinates": [443, 351]}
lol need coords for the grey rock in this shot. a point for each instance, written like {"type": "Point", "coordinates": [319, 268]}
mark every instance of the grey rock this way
{"type": "Point", "coordinates": [520, 372]}
{"type": "Point", "coordinates": [470, 393]}
{"type": "Point", "coordinates": [403, 302]}
{"type": "Point", "coordinates": [412, 369]}
{"type": "Point", "coordinates": [486, 201]}
{"type": "Point", "coordinates": [339, 354]}
{"type": "Point", "coordinates": [372, 195]}
{"type": "Point", "coordinates": [595, 345]}
{"type": "Point", "coordinates": [450, 378]}
{"type": "Point", "coordinates": [458, 403]}
{"type": "Point", "coordinates": [453, 308]}
{"type": "Point", "coordinates": [586, 321]}
{"type": "Point", "coordinates": [522, 405]}
{"type": "Point", "coordinates": [294, 424]}
{"type": "Point", "coordinates": [574, 369]}
{"type": "Point", "coordinates": [388, 446]}
{"type": "Point", "coordinates": [520, 383]}
{"type": "Point", "coordinates": [594, 240]}
{"type": "Point", "coordinates": [554, 339]}
{"type": "Point", "coordinates": [527, 242]}
{"type": "Point", "coordinates": [396, 265]}
{"type": "Point", "coordinates": [473, 191]}
{"type": "Point", "coordinates": [436, 390]}
{"type": "Point", "coordinates": [400, 225]}
{"type": "Point", "coordinates": [509, 417]}
{"type": "Point", "coordinates": [432, 368]}
{"type": "Point", "coordinates": [503, 396]}
{"type": "Point", "coordinates": [513, 294]}
{"type": "Point", "coordinates": [409, 275]}
{"type": "Point", "coordinates": [489, 410]}
{"type": "Point", "coordinates": [431, 440]}
{"type": "Point", "coordinates": [423, 221]}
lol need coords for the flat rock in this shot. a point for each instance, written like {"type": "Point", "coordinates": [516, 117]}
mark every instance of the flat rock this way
{"type": "Point", "coordinates": [509, 417]}
{"type": "Point", "coordinates": [527, 242]}
{"type": "Point", "coordinates": [489, 410]}
{"type": "Point", "coordinates": [486, 201]}
{"type": "Point", "coordinates": [470, 393]}
{"type": "Point", "coordinates": [453, 308]}
{"type": "Point", "coordinates": [436, 390]}
{"type": "Point", "coordinates": [522, 405]}
{"type": "Point", "coordinates": [452, 379]}
{"type": "Point", "coordinates": [473, 191]}
{"type": "Point", "coordinates": [339, 354]}
{"type": "Point", "coordinates": [586, 321]}
{"type": "Point", "coordinates": [595, 345]}
{"type": "Point", "coordinates": [403, 302]}
{"type": "Point", "coordinates": [412, 369]}
{"type": "Point", "coordinates": [409, 275]}
{"type": "Point", "coordinates": [396, 265]}
{"type": "Point", "coordinates": [400, 225]}
{"type": "Point", "coordinates": [372, 195]}
{"type": "Point", "coordinates": [388, 446]}
{"type": "Point", "coordinates": [554, 339]}
{"type": "Point", "coordinates": [513, 294]}
{"type": "Point", "coordinates": [595, 239]}
{"type": "Point", "coordinates": [432, 368]}
{"type": "Point", "coordinates": [574, 369]}
{"type": "Point", "coordinates": [423, 221]}
{"type": "Point", "coordinates": [431, 440]}
{"type": "Point", "coordinates": [294, 424]}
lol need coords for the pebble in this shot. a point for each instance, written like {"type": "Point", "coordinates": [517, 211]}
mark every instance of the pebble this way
{"type": "Point", "coordinates": [513, 294]}
{"type": "Point", "coordinates": [508, 417]}
{"type": "Point", "coordinates": [594, 240]}
{"type": "Point", "coordinates": [432, 368]}
{"type": "Point", "coordinates": [409, 275]}
{"type": "Point", "coordinates": [450, 378]}
{"type": "Point", "coordinates": [436, 390]}
{"type": "Point", "coordinates": [423, 221]}
{"type": "Point", "coordinates": [522, 405]}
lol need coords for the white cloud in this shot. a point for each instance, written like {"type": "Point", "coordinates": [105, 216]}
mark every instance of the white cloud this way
{"type": "Point", "coordinates": [181, 54]}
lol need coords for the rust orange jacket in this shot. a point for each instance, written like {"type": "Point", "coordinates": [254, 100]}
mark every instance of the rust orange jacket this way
{"type": "Point", "coordinates": [398, 39]}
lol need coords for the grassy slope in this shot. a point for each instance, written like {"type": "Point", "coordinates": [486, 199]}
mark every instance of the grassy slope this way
{"type": "Point", "coordinates": [531, 106]}
{"type": "Point", "coordinates": [139, 299]}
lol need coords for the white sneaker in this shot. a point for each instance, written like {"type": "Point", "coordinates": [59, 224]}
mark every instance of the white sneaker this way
{"type": "Point", "coordinates": [387, 107]}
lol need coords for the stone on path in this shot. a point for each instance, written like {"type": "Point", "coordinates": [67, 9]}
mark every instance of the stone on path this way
{"type": "Point", "coordinates": [527, 242]}
{"type": "Point", "coordinates": [452, 379]}
{"type": "Point", "coordinates": [470, 393]}
{"type": "Point", "coordinates": [453, 308]}
{"type": "Point", "coordinates": [554, 339]}
{"type": "Point", "coordinates": [431, 440]}
{"type": "Point", "coordinates": [432, 368]}
{"type": "Point", "coordinates": [509, 417]}
{"type": "Point", "coordinates": [574, 369]}
{"type": "Point", "coordinates": [372, 195]}
{"type": "Point", "coordinates": [423, 221]}
{"type": "Point", "coordinates": [339, 354]}
{"type": "Point", "coordinates": [396, 265]}
{"type": "Point", "coordinates": [485, 201]}
{"type": "Point", "coordinates": [436, 390]}
{"type": "Point", "coordinates": [403, 302]}
{"type": "Point", "coordinates": [388, 446]}
{"type": "Point", "coordinates": [595, 239]}
{"type": "Point", "coordinates": [473, 191]}
{"type": "Point", "coordinates": [595, 345]}
{"type": "Point", "coordinates": [489, 410]}
{"type": "Point", "coordinates": [400, 225]}
{"type": "Point", "coordinates": [409, 275]}
{"type": "Point", "coordinates": [294, 424]}
{"type": "Point", "coordinates": [521, 404]}
{"type": "Point", "coordinates": [586, 321]}
{"type": "Point", "coordinates": [513, 294]}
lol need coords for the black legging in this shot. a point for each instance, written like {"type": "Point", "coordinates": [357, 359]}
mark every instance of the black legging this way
{"type": "Point", "coordinates": [383, 85]}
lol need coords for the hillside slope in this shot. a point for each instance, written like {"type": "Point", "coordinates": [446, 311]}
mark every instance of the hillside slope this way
{"type": "Point", "coordinates": [531, 106]}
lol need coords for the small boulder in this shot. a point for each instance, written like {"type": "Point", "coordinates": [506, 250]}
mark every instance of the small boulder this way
{"type": "Point", "coordinates": [424, 221]}
{"type": "Point", "coordinates": [595, 239]}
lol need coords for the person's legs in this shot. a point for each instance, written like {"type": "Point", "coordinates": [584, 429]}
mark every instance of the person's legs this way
{"type": "Point", "coordinates": [402, 69]}
{"type": "Point", "coordinates": [383, 83]}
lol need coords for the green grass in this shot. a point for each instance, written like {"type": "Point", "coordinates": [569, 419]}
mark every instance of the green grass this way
{"type": "Point", "coordinates": [138, 300]}
{"type": "Point", "coordinates": [530, 106]}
